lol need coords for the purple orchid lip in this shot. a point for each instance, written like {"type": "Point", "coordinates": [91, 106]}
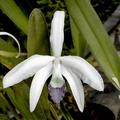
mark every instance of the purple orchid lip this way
{"type": "Point", "coordinates": [57, 94]}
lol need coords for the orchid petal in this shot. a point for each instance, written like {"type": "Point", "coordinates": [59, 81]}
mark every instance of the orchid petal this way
{"type": "Point", "coordinates": [76, 86]}
{"type": "Point", "coordinates": [26, 69]}
{"type": "Point", "coordinates": [37, 85]}
{"type": "Point", "coordinates": [87, 73]}
{"type": "Point", "coordinates": [57, 33]}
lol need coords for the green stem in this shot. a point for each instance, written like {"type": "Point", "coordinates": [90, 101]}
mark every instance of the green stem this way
{"type": "Point", "coordinates": [52, 110]}
{"type": "Point", "coordinates": [11, 54]}
{"type": "Point", "coordinates": [66, 114]}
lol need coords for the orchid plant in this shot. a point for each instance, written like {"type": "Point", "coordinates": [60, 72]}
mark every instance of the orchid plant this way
{"type": "Point", "coordinates": [72, 69]}
{"type": "Point", "coordinates": [53, 73]}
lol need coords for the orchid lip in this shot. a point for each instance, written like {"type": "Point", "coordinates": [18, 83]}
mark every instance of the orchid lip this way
{"type": "Point", "coordinates": [57, 93]}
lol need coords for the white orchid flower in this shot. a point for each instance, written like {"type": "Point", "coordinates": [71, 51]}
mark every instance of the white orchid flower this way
{"type": "Point", "coordinates": [72, 68]}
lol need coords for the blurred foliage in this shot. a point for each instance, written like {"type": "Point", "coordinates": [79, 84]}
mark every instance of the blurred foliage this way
{"type": "Point", "coordinates": [105, 8]}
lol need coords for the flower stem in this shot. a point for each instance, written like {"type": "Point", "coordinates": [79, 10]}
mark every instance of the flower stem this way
{"type": "Point", "coordinates": [11, 54]}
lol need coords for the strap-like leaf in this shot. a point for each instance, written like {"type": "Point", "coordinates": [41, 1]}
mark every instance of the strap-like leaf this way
{"type": "Point", "coordinates": [10, 8]}
{"type": "Point", "coordinates": [96, 37]}
{"type": "Point", "coordinates": [78, 40]}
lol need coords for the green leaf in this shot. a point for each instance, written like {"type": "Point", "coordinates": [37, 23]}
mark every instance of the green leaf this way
{"type": "Point", "coordinates": [5, 46]}
{"type": "Point", "coordinates": [38, 42]}
{"type": "Point", "coordinates": [8, 62]}
{"type": "Point", "coordinates": [91, 28]}
{"type": "Point", "coordinates": [22, 99]}
{"type": "Point", "coordinates": [78, 40]}
{"type": "Point", "coordinates": [4, 117]}
{"type": "Point", "coordinates": [4, 101]}
{"type": "Point", "coordinates": [19, 96]}
{"type": "Point", "coordinates": [10, 8]}
{"type": "Point", "coordinates": [2, 106]}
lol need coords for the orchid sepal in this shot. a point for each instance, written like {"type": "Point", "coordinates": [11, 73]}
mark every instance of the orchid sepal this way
{"type": "Point", "coordinates": [57, 33]}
